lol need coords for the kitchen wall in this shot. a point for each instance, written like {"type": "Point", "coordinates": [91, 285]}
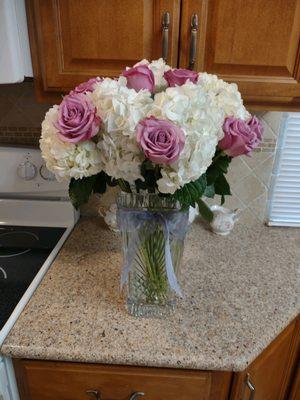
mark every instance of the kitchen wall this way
{"type": "Point", "coordinates": [249, 177]}
{"type": "Point", "coordinates": [20, 114]}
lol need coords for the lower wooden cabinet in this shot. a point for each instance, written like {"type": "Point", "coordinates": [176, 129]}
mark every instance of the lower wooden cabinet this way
{"type": "Point", "coordinates": [273, 375]}
{"type": "Point", "coordinates": [41, 380]}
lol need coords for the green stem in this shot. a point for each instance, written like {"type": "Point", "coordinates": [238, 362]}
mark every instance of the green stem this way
{"type": "Point", "coordinates": [221, 154]}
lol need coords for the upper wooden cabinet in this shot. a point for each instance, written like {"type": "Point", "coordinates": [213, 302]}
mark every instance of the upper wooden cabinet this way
{"type": "Point", "coordinates": [254, 43]}
{"type": "Point", "coordinates": [73, 40]}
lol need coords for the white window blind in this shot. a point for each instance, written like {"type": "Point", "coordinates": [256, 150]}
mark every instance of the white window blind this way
{"type": "Point", "coordinates": [284, 207]}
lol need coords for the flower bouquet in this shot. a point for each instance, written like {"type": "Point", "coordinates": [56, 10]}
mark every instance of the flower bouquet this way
{"type": "Point", "coordinates": [166, 137]}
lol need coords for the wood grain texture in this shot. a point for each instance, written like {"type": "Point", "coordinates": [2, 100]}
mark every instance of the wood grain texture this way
{"type": "Point", "coordinates": [272, 372]}
{"type": "Point", "coordinates": [253, 43]}
{"type": "Point", "coordinates": [70, 46]}
{"type": "Point", "coordinates": [69, 381]}
{"type": "Point", "coordinates": [295, 389]}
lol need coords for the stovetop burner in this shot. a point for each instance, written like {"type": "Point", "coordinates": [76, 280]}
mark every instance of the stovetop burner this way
{"type": "Point", "coordinates": [15, 243]}
{"type": "Point", "coordinates": [23, 251]}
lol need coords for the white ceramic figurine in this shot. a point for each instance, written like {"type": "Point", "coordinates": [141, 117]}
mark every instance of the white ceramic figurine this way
{"type": "Point", "coordinates": [223, 221]}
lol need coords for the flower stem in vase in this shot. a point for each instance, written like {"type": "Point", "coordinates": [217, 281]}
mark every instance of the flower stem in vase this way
{"type": "Point", "coordinates": [151, 268]}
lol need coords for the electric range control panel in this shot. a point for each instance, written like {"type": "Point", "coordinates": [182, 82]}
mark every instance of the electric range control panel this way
{"type": "Point", "coordinates": [23, 171]}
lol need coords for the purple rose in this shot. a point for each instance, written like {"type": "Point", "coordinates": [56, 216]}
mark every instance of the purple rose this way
{"type": "Point", "coordinates": [77, 119]}
{"type": "Point", "coordinates": [240, 137]}
{"type": "Point", "coordinates": [87, 86]}
{"type": "Point", "coordinates": [256, 126]}
{"type": "Point", "coordinates": [140, 77]}
{"type": "Point", "coordinates": [160, 140]}
{"type": "Point", "coordinates": [178, 77]}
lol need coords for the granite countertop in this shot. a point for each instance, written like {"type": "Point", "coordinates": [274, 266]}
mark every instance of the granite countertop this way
{"type": "Point", "coordinates": [241, 292]}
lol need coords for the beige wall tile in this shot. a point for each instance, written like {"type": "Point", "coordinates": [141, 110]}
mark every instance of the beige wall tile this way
{"type": "Point", "coordinates": [273, 119]}
{"type": "Point", "coordinates": [249, 189]}
{"type": "Point", "coordinates": [259, 206]}
{"type": "Point", "coordinates": [232, 202]}
{"type": "Point", "coordinates": [264, 170]}
{"type": "Point", "coordinates": [238, 170]}
{"type": "Point", "coordinates": [255, 159]}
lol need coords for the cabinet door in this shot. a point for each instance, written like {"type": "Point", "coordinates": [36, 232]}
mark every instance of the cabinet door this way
{"type": "Point", "coordinates": [272, 372]}
{"type": "Point", "coordinates": [73, 40]}
{"type": "Point", "coordinates": [43, 380]}
{"type": "Point", "coordinates": [254, 43]}
{"type": "Point", "coordinates": [295, 388]}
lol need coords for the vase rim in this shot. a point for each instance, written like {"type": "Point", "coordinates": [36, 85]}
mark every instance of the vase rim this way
{"type": "Point", "coordinates": [152, 201]}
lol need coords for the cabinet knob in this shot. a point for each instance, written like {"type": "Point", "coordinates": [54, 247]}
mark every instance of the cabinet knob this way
{"type": "Point", "coordinates": [136, 395]}
{"type": "Point", "coordinates": [193, 45]}
{"type": "Point", "coordinates": [165, 35]}
{"type": "Point", "coordinates": [251, 388]}
{"type": "Point", "coordinates": [27, 171]}
{"type": "Point", "coordinates": [97, 395]}
{"type": "Point", "coordinates": [94, 393]}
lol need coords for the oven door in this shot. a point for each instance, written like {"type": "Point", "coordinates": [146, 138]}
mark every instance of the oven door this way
{"type": "Point", "coordinates": [4, 389]}
{"type": "Point", "coordinates": [8, 385]}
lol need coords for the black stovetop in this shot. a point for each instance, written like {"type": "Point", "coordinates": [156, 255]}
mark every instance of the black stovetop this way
{"type": "Point", "coordinates": [23, 251]}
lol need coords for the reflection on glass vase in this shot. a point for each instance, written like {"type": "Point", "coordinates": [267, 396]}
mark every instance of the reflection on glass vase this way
{"type": "Point", "coordinates": [153, 231]}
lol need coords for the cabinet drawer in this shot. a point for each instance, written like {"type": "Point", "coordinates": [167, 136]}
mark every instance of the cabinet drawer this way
{"type": "Point", "coordinates": [70, 381]}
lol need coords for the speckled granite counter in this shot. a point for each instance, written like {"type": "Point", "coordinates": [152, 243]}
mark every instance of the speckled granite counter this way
{"type": "Point", "coordinates": [242, 290]}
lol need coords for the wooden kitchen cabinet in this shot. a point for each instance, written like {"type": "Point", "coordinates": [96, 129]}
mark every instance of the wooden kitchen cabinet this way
{"type": "Point", "coordinates": [74, 40]}
{"type": "Point", "coordinates": [254, 43]}
{"type": "Point", "coordinates": [294, 393]}
{"type": "Point", "coordinates": [71, 381]}
{"type": "Point", "coordinates": [272, 373]}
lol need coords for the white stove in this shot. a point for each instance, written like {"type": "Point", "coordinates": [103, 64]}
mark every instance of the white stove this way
{"type": "Point", "coordinates": [36, 217]}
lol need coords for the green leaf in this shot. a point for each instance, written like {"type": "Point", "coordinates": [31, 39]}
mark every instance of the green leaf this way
{"type": "Point", "coordinates": [210, 191]}
{"type": "Point", "coordinates": [125, 187]}
{"type": "Point", "coordinates": [205, 211]}
{"type": "Point", "coordinates": [222, 186]}
{"type": "Point", "coordinates": [151, 174]}
{"type": "Point", "coordinates": [223, 163]}
{"type": "Point", "coordinates": [100, 182]}
{"type": "Point", "coordinates": [219, 166]}
{"type": "Point", "coordinates": [191, 192]}
{"type": "Point", "coordinates": [81, 189]}
{"type": "Point", "coordinates": [211, 174]}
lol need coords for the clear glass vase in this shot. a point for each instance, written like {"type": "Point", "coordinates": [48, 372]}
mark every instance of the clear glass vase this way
{"type": "Point", "coordinates": [153, 230]}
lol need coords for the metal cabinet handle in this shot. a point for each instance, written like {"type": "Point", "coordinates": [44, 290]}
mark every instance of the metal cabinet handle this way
{"type": "Point", "coordinates": [193, 45]}
{"type": "Point", "coordinates": [250, 386]}
{"type": "Point", "coordinates": [97, 395]}
{"type": "Point", "coordinates": [94, 393]}
{"type": "Point", "coordinates": [136, 395]}
{"type": "Point", "coordinates": [165, 35]}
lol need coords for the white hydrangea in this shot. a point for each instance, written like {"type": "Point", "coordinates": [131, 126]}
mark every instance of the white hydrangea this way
{"type": "Point", "coordinates": [198, 109]}
{"type": "Point", "coordinates": [67, 160]}
{"type": "Point", "coordinates": [120, 109]}
{"type": "Point", "coordinates": [191, 108]}
{"type": "Point", "coordinates": [224, 95]}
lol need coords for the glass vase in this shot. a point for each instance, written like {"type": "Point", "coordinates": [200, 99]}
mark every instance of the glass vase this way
{"type": "Point", "coordinates": [153, 230]}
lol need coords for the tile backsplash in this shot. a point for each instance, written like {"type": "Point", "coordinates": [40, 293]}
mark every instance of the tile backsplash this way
{"type": "Point", "coordinates": [249, 177]}
{"type": "Point", "coordinates": [20, 114]}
